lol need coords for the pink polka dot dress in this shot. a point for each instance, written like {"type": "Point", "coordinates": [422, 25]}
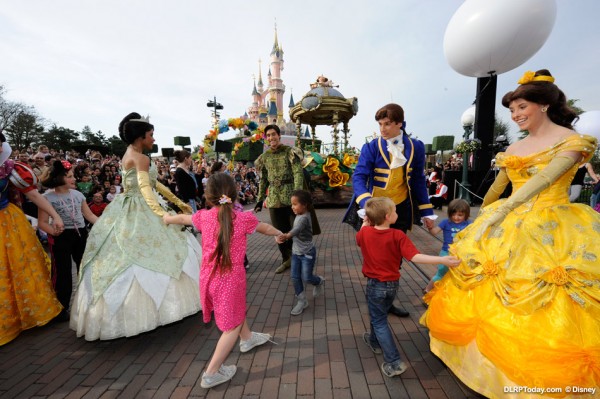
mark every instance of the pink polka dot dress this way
{"type": "Point", "coordinates": [224, 294]}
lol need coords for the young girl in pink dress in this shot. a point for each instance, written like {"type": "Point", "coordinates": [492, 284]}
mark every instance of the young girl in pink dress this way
{"type": "Point", "coordinates": [222, 275]}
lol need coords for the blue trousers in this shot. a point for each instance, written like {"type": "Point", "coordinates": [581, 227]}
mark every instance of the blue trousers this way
{"type": "Point", "coordinates": [302, 270]}
{"type": "Point", "coordinates": [380, 296]}
{"type": "Point", "coordinates": [442, 269]}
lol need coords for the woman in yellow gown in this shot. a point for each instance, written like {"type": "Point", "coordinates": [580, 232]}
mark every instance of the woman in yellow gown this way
{"type": "Point", "coordinates": [27, 298]}
{"type": "Point", "coordinates": [520, 316]}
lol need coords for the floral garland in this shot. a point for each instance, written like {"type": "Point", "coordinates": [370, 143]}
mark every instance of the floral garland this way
{"type": "Point", "coordinates": [469, 145]}
{"type": "Point", "coordinates": [248, 127]}
{"type": "Point", "coordinates": [337, 170]}
{"type": "Point", "coordinates": [257, 135]}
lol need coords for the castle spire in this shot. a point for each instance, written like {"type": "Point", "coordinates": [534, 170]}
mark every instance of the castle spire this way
{"type": "Point", "coordinates": [276, 48]}
{"type": "Point", "coordinates": [260, 81]}
{"type": "Point", "coordinates": [254, 91]}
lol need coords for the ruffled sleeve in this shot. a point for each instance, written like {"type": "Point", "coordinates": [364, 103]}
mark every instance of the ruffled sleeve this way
{"type": "Point", "coordinates": [579, 143]}
{"type": "Point", "coordinates": [23, 178]}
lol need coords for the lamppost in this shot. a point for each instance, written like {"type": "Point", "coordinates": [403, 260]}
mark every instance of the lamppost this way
{"type": "Point", "coordinates": [467, 119]}
{"type": "Point", "coordinates": [216, 107]}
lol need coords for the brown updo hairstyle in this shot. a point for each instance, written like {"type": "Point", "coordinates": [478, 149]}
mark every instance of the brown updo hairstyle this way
{"type": "Point", "coordinates": [216, 167]}
{"type": "Point", "coordinates": [55, 175]}
{"type": "Point", "coordinates": [218, 185]}
{"type": "Point", "coordinates": [181, 155]}
{"type": "Point", "coordinates": [544, 93]}
{"type": "Point", "coordinates": [129, 131]}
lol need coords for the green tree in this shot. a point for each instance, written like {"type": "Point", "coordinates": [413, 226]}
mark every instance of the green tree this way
{"type": "Point", "coordinates": [89, 137]}
{"type": "Point", "coordinates": [25, 129]}
{"type": "Point", "coordinates": [116, 145]}
{"type": "Point", "coordinates": [8, 110]}
{"type": "Point", "coordinates": [60, 138]}
{"type": "Point", "coordinates": [578, 110]}
{"type": "Point", "coordinates": [501, 128]}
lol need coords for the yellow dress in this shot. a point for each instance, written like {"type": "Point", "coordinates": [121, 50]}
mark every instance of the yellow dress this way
{"type": "Point", "coordinates": [27, 298]}
{"type": "Point", "coordinates": [521, 313]}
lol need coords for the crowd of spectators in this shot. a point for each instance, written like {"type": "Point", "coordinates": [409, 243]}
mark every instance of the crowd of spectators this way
{"type": "Point", "coordinates": [99, 177]}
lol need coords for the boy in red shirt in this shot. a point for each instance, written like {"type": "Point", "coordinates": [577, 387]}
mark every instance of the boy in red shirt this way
{"type": "Point", "coordinates": [382, 248]}
{"type": "Point", "coordinates": [98, 204]}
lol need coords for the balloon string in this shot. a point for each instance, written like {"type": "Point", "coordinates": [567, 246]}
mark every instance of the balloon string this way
{"type": "Point", "coordinates": [492, 74]}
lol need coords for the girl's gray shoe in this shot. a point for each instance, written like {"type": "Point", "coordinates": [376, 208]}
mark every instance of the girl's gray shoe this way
{"type": "Point", "coordinates": [224, 374]}
{"type": "Point", "coordinates": [300, 305]}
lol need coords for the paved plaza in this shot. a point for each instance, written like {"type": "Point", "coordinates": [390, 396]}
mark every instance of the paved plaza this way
{"type": "Point", "coordinates": [319, 354]}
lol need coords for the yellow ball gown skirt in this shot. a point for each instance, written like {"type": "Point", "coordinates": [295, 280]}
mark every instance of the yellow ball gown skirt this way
{"type": "Point", "coordinates": [520, 316]}
{"type": "Point", "coordinates": [27, 298]}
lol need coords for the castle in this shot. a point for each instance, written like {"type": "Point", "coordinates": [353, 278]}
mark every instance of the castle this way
{"type": "Point", "coordinates": [267, 103]}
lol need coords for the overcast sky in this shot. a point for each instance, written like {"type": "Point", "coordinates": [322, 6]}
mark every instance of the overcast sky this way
{"type": "Point", "coordinates": [92, 62]}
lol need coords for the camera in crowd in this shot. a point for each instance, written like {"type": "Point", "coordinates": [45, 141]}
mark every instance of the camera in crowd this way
{"type": "Point", "coordinates": [500, 144]}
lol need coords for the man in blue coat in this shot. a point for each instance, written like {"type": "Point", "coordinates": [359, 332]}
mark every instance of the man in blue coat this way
{"type": "Point", "coordinates": [392, 166]}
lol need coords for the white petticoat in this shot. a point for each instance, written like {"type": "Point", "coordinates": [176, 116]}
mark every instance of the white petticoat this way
{"type": "Point", "coordinates": [138, 300]}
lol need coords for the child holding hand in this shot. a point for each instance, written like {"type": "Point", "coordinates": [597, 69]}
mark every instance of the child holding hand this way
{"type": "Point", "coordinates": [382, 248]}
{"type": "Point", "coordinates": [223, 276]}
{"type": "Point", "coordinates": [304, 252]}
{"type": "Point", "coordinates": [458, 218]}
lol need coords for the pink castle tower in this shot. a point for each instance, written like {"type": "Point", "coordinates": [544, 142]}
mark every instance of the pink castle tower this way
{"type": "Point", "coordinates": [267, 104]}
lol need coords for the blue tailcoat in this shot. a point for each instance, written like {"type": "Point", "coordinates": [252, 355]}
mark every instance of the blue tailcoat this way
{"type": "Point", "coordinates": [374, 155]}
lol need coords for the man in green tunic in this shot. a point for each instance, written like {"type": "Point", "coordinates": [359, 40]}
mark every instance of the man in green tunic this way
{"type": "Point", "coordinates": [280, 169]}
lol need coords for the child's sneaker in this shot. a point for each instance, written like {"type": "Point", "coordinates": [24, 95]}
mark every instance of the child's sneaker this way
{"type": "Point", "coordinates": [391, 370]}
{"type": "Point", "coordinates": [224, 374]}
{"type": "Point", "coordinates": [300, 305]}
{"type": "Point", "coordinates": [318, 289]}
{"type": "Point", "coordinates": [375, 348]}
{"type": "Point", "coordinates": [256, 339]}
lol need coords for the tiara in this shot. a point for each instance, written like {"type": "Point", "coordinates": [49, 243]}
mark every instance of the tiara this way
{"type": "Point", "coordinates": [142, 119]}
{"type": "Point", "coordinates": [529, 77]}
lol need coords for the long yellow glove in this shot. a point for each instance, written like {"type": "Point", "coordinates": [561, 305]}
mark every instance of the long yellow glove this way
{"type": "Point", "coordinates": [496, 189]}
{"type": "Point", "coordinates": [538, 183]}
{"type": "Point", "coordinates": [165, 192]}
{"type": "Point", "coordinates": [144, 183]}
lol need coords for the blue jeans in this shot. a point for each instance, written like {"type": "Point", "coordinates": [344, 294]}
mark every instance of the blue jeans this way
{"type": "Point", "coordinates": [594, 199]}
{"type": "Point", "coordinates": [302, 270]}
{"type": "Point", "coordinates": [380, 296]}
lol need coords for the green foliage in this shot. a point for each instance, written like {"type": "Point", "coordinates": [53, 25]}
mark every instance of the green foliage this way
{"type": "Point", "coordinates": [24, 129]}
{"type": "Point", "coordinates": [442, 143]}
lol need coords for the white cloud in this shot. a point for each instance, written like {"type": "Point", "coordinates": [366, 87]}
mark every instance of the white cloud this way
{"type": "Point", "coordinates": [91, 63]}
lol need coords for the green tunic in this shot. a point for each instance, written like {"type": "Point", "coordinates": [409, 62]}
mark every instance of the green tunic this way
{"type": "Point", "coordinates": [281, 172]}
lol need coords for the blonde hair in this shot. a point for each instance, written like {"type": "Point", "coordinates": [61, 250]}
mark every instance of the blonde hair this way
{"type": "Point", "coordinates": [376, 209]}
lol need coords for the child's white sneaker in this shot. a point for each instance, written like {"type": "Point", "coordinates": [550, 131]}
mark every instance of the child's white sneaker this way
{"type": "Point", "coordinates": [224, 374]}
{"type": "Point", "coordinates": [318, 289]}
{"type": "Point", "coordinates": [300, 305]}
{"type": "Point", "coordinates": [256, 339]}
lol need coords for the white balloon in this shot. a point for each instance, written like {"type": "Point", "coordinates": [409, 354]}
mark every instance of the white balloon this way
{"type": "Point", "coordinates": [497, 35]}
{"type": "Point", "coordinates": [589, 123]}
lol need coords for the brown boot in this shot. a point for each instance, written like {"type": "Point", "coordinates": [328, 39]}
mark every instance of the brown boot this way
{"type": "Point", "coordinates": [284, 266]}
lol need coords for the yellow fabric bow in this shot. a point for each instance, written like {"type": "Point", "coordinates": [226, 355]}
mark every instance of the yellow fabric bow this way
{"type": "Point", "coordinates": [529, 77]}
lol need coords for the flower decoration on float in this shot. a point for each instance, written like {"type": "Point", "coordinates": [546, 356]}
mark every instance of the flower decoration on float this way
{"type": "Point", "coordinates": [331, 172]}
{"type": "Point", "coordinates": [470, 145]}
{"type": "Point", "coordinates": [249, 129]}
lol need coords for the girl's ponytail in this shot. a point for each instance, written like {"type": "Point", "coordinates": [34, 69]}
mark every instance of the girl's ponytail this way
{"type": "Point", "coordinates": [221, 192]}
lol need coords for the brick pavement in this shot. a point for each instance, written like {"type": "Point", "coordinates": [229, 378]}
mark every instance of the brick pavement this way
{"type": "Point", "coordinates": [319, 354]}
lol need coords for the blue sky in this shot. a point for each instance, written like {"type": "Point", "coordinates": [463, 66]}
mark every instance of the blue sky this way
{"type": "Point", "coordinates": [90, 63]}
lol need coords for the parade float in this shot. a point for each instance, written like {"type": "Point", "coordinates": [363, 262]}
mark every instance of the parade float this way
{"type": "Point", "coordinates": [330, 168]}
